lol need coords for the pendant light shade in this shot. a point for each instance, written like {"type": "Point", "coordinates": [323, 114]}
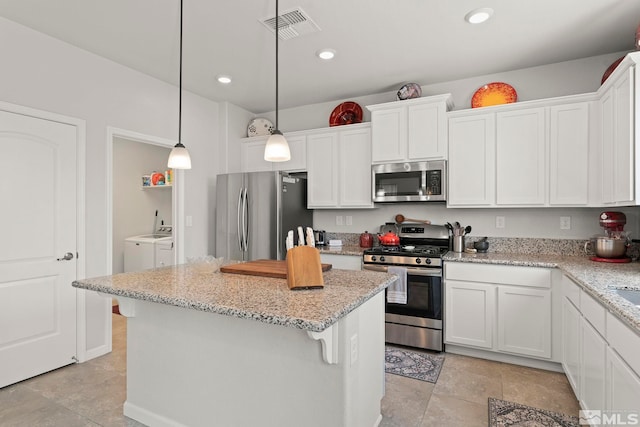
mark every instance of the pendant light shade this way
{"type": "Point", "coordinates": [277, 148]}
{"type": "Point", "coordinates": [179, 157]}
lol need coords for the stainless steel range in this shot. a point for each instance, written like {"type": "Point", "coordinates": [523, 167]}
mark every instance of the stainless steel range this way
{"type": "Point", "coordinates": [418, 323]}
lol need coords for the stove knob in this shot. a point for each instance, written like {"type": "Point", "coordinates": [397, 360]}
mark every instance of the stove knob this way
{"type": "Point", "coordinates": [427, 261]}
{"type": "Point", "coordinates": [418, 260]}
{"type": "Point", "coordinates": [374, 258]}
{"type": "Point", "coordinates": [381, 259]}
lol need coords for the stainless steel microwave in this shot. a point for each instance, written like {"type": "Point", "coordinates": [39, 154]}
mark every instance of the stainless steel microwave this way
{"type": "Point", "coordinates": [410, 182]}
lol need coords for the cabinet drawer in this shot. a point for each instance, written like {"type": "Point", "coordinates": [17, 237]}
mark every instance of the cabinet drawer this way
{"type": "Point", "coordinates": [593, 312]}
{"type": "Point", "coordinates": [499, 274]}
{"type": "Point", "coordinates": [625, 341]}
{"type": "Point", "coordinates": [571, 291]}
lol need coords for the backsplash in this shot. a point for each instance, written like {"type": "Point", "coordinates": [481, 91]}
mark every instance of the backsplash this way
{"type": "Point", "coordinates": [513, 245]}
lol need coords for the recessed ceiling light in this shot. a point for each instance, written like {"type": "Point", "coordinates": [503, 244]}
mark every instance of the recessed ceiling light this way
{"type": "Point", "coordinates": [326, 54]}
{"type": "Point", "coordinates": [224, 79]}
{"type": "Point", "coordinates": [478, 16]}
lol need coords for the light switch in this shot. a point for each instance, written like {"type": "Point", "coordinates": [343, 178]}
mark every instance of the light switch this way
{"type": "Point", "coordinates": [339, 220]}
{"type": "Point", "coordinates": [349, 220]}
{"type": "Point", "coordinates": [565, 223]}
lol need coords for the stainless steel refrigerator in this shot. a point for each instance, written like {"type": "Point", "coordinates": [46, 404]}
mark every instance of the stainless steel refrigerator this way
{"type": "Point", "coordinates": [255, 210]}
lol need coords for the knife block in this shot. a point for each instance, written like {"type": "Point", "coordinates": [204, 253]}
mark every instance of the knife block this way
{"type": "Point", "coordinates": [303, 268]}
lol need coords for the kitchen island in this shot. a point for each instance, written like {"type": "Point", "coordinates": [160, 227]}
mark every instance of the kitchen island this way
{"type": "Point", "coordinates": [212, 349]}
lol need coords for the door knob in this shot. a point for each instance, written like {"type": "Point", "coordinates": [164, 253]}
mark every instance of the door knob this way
{"type": "Point", "coordinates": [68, 256]}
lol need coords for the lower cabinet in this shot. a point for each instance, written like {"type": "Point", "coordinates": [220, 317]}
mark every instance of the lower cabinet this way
{"type": "Point", "coordinates": [600, 357]}
{"type": "Point", "coordinates": [342, 262]}
{"type": "Point", "coordinates": [509, 313]}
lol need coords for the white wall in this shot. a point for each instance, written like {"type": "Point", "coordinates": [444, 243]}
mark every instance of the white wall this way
{"type": "Point", "coordinates": [134, 208]}
{"type": "Point", "coordinates": [44, 73]}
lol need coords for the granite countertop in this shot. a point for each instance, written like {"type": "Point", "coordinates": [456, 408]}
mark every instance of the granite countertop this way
{"type": "Point", "coordinates": [199, 286]}
{"type": "Point", "coordinates": [341, 250]}
{"type": "Point", "coordinates": [599, 279]}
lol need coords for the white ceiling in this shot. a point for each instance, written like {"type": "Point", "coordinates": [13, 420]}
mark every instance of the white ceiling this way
{"type": "Point", "coordinates": [380, 44]}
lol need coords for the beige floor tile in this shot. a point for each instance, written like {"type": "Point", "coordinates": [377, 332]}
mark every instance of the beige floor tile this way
{"type": "Point", "coordinates": [405, 401]}
{"type": "Point", "coordinates": [448, 411]}
{"type": "Point", "coordinates": [539, 388]}
{"type": "Point", "coordinates": [465, 364]}
{"type": "Point", "coordinates": [465, 379]}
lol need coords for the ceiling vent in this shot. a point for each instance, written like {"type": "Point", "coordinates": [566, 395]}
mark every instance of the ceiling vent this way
{"type": "Point", "coordinates": [293, 23]}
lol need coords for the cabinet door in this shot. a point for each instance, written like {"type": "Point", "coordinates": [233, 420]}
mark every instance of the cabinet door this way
{"type": "Point", "coordinates": [298, 148]}
{"type": "Point", "coordinates": [469, 313]}
{"type": "Point", "coordinates": [623, 160]}
{"type": "Point", "coordinates": [520, 157]}
{"type": "Point", "coordinates": [389, 135]}
{"type": "Point", "coordinates": [623, 387]}
{"type": "Point", "coordinates": [594, 350]}
{"type": "Point", "coordinates": [322, 170]}
{"type": "Point", "coordinates": [427, 133]}
{"type": "Point", "coordinates": [524, 321]}
{"type": "Point", "coordinates": [568, 154]}
{"type": "Point", "coordinates": [471, 160]}
{"type": "Point", "coordinates": [571, 344]}
{"type": "Point", "coordinates": [253, 156]}
{"type": "Point", "coordinates": [342, 262]}
{"type": "Point", "coordinates": [355, 169]}
{"type": "Point", "coordinates": [608, 125]}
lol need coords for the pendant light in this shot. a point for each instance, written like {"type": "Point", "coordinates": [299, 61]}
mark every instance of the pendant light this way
{"type": "Point", "coordinates": [179, 157]}
{"type": "Point", "coordinates": [277, 148]}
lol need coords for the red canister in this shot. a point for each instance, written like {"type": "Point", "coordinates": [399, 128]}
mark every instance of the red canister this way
{"type": "Point", "coordinates": [366, 240]}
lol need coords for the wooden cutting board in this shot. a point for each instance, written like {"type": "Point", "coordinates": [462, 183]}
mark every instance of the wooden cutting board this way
{"type": "Point", "coordinates": [263, 267]}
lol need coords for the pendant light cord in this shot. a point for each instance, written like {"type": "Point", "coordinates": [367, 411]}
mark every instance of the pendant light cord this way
{"type": "Point", "coordinates": [180, 83]}
{"type": "Point", "coordinates": [277, 27]}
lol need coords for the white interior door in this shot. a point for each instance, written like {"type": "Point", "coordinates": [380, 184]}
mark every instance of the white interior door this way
{"type": "Point", "coordinates": [38, 217]}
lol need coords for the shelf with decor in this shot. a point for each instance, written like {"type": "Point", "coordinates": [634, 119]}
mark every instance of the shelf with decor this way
{"type": "Point", "coordinates": [157, 180]}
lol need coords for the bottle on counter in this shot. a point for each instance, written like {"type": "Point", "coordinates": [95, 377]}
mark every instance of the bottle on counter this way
{"type": "Point", "coordinates": [366, 240]}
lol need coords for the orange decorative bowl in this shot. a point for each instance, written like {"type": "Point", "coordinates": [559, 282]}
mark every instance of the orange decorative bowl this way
{"type": "Point", "coordinates": [495, 93]}
{"type": "Point", "coordinates": [345, 114]}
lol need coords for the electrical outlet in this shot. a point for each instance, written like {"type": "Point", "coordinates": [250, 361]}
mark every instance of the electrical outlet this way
{"type": "Point", "coordinates": [565, 223]}
{"type": "Point", "coordinates": [339, 220]}
{"type": "Point", "coordinates": [348, 220]}
{"type": "Point", "coordinates": [500, 222]}
{"type": "Point", "coordinates": [354, 349]}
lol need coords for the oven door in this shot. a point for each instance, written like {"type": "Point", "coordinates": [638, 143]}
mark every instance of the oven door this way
{"type": "Point", "coordinates": [424, 298]}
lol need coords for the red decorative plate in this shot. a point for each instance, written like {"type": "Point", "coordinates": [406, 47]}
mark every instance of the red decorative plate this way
{"type": "Point", "coordinates": [495, 93]}
{"type": "Point", "coordinates": [345, 114]}
{"type": "Point", "coordinates": [609, 70]}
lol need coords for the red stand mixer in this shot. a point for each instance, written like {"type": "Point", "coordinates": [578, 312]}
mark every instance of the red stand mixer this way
{"type": "Point", "coordinates": [613, 245]}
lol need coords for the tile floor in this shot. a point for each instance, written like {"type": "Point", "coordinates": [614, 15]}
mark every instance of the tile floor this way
{"type": "Point", "coordinates": [92, 393]}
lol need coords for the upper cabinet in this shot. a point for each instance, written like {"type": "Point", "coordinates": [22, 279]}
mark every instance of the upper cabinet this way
{"type": "Point", "coordinates": [339, 167]}
{"type": "Point", "coordinates": [252, 154]}
{"type": "Point", "coordinates": [520, 155]}
{"type": "Point", "coordinates": [410, 130]}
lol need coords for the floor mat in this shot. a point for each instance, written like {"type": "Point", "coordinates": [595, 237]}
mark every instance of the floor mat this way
{"type": "Point", "coordinates": [412, 364]}
{"type": "Point", "coordinates": [503, 413]}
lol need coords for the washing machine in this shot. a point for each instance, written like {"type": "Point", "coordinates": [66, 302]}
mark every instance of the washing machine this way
{"type": "Point", "coordinates": [140, 251]}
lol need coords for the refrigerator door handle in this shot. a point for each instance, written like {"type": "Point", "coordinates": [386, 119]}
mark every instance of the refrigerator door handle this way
{"type": "Point", "coordinates": [245, 220]}
{"type": "Point", "coordinates": [238, 219]}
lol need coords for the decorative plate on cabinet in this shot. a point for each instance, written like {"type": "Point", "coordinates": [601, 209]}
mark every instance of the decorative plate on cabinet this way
{"type": "Point", "coordinates": [345, 114]}
{"type": "Point", "coordinates": [410, 90]}
{"type": "Point", "coordinates": [609, 70]}
{"type": "Point", "coordinates": [495, 93]}
{"type": "Point", "coordinates": [259, 126]}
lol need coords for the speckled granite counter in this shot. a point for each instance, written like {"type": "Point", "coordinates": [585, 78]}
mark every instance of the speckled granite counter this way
{"type": "Point", "coordinates": [268, 300]}
{"type": "Point", "coordinates": [598, 279]}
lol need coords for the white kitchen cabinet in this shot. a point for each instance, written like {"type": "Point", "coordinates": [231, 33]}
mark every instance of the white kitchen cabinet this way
{"type": "Point", "coordinates": [524, 321]}
{"type": "Point", "coordinates": [569, 154]}
{"type": "Point", "coordinates": [593, 350]}
{"type": "Point", "coordinates": [623, 388]}
{"type": "Point", "coordinates": [520, 157]}
{"type": "Point", "coordinates": [471, 160]}
{"type": "Point", "coordinates": [252, 154]}
{"type": "Point", "coordinates": [339, 168]}
{"type": "Point", "coordinates": [342, 262]}
{"type": "Point", "coordinates": [504, 309]}
{"type": "Point", "coordinates": [571, 349]}
{"type": "Point", "coordinates": [469, 313]}
{"type": "Point", "coordinates": [410, 130]}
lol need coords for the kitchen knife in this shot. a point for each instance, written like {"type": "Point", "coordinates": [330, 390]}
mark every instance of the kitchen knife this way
{"type": "Point", "coordinates": [311, 241]}
{"type": "Point", "coordinates": [300, 236]}
{"type": "Point", "coordinates": [289, 240]}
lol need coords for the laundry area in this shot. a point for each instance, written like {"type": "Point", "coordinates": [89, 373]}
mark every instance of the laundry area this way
{"type": "Point", "coordinates": [142, 235]}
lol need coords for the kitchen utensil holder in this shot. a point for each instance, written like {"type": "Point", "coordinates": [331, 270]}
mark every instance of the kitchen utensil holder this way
{"type": "Point", "coordinates": [304, 270]}
{"type": "Point", "coordinates": [458, 244]}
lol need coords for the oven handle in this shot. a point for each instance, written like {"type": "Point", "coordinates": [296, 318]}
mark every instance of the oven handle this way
{"type": "Point", "coordinates": [435, 272]}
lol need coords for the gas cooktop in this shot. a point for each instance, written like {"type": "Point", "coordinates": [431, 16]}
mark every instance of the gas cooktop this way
{"type": "Point", "coordinates": [408, 250]}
